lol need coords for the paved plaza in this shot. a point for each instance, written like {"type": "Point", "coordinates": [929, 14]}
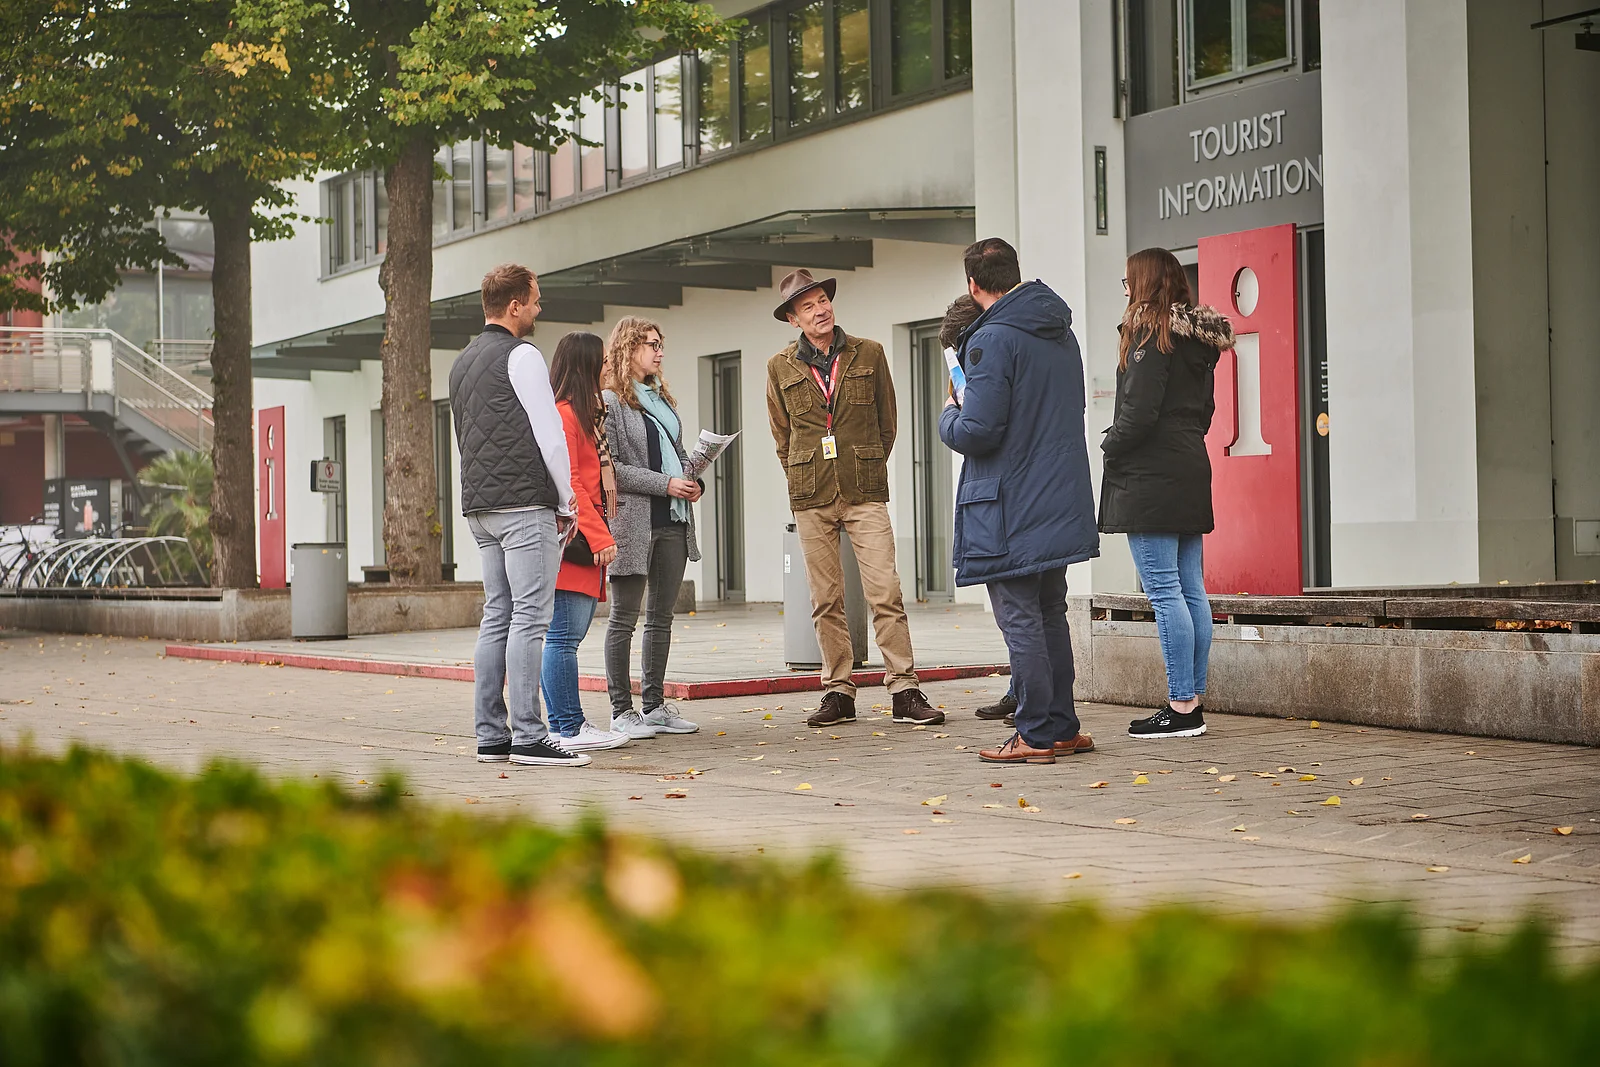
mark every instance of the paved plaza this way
{"type": "Point", "coordinates": [1240, 820]}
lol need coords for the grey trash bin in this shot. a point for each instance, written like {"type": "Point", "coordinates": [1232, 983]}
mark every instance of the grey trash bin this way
{"type": "Point", "coordinates": [800, 649]}
{"type": "Point", "coordinates": [319, 604]}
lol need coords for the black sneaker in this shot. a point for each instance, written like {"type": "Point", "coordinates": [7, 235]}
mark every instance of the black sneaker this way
{"type": "Point", "coordinates": [1005, 709]}
{"type": "Point", "coordinates": [544, 754]}
{"type": "Point", "coordinates": [836, 708]}
{"type": "Point", "coordinates": [1170, 723]}
{"type": "Point", "coordinates": [910, 706]}
{"type": "Point", "coordinates": [495, 753]}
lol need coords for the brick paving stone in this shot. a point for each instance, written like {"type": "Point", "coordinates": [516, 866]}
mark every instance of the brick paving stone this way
{"type": "Point", "coordinates": [1487, 808]}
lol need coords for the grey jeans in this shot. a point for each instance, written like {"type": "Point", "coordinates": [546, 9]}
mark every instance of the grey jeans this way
{"type": "Point", "coordinates": [669, 554]}
{"type": "Point", "coordinates": [521, 554]}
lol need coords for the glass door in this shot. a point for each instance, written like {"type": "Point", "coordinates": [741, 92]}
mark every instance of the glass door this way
{"type": "Point", "coordinates": [932, 481]}
{"type": "Point", "coordinates": [727, 477]}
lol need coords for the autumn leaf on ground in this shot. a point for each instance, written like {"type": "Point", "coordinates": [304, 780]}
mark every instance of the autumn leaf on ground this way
{"type": "Point", "coordinates": [1168, 771]}
{"type": "Point", "coordinates": [768, 715]}
{"type": "Point", "coordinates": [1420, 816]}
{"type": "Point", "coordinates": [942, 820]}
{"type": "Point", "coordinates": [1022, 802]}
{"type": "Point", "coordinates": [503, 774]}
{"type": "Point", "coordinates": [938, 736]}
{"type": "Point", "coordinates": [1250, 837]}
{"type": "Point", "coordinates": [1240, 829]}
{"type": "Point", "coordinates": [1357, 781]}
{"type": "Point", "coordinates": [1228, 778]}
{"type": "Point", "coordinates": [802, 785]}
{"type": "Point", "coordinates": [1332, 802]}
{"type": "Point", "coordinates": [911, 831]}
{"type": "Point", "coordinates": [1524, 859]}
{"type": "Point", "coordinates": [1074, 874]}
{"type": "Point", "coordinates": [1098, 785]}
{"type": "Point", "coordinates": [1141, 779]}
{"type": "Point", "coordinates": [774, 772]}
{"type": "Point", "coordinates": [996, 785]}
{"type": "Point", "coordinates": [722, 733]}
{"type": "Point", "coordinates": [1265, 774]}
{"type": "Point", "coordinates": [1209, 770]}
{"type": "Point", "coordinates": [1308, 777]}
{"type": "Point", "coordinates": [842, 804]}
{"type": "Point", "coordinates": [1126, 822]}
{"type": "Point", "coordinates": [750, 759]}
{"type": "Point", "coordinates": [472, 800]}
{"type": "Point", "coordinates": [636, 798]}
{"type": "Point", "coordinates": [1285, 770]}
{"type": "Point", "coordinates": [1031, 810]}
{"type": "Point", "coordinates": [994, 805]}
{"type": "Point", "coordinates": [1438, 869]}
{"type": "Point", "coordinates": [931, 801]}
{"type": "Point", "coordinates": [1564, 831]}
{"type": "Point", "coordinates": [1315, 725]}
{"type": "Point", "coordinates": [676, 794]}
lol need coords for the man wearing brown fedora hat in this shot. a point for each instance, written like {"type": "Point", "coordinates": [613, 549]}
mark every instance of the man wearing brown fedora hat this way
{"type": "Point", "coordinates": [832, 407]}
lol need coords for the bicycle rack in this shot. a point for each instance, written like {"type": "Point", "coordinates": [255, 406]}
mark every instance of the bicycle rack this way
{"type": "Point", "coordinates": [111, 563]}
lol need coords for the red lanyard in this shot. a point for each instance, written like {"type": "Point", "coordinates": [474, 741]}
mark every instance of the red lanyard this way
{"type": "Point", "coordinates": [828, 387]}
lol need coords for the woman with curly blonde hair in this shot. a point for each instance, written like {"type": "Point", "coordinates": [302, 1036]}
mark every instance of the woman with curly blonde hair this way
{"type": "Point", "coordinates": [653, 528]}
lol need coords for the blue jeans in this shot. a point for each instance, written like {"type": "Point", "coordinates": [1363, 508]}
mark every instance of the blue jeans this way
{"type": "Point", "coordinates": [521, 555]}
{"type": "Point", "coordinates": [559, 680]}
{"type": "Point", "coordinates": [1169, 568]}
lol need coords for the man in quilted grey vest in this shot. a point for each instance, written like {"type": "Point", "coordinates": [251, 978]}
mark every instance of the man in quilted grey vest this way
{"type": "Point", "coordinates": [516, 492]}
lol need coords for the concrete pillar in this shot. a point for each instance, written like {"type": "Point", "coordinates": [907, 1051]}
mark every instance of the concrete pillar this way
{"type": "Point", "coordinates": [1042, 101]}
{"type": "Point", "coordinates": [55, 446]}
{"type": "Point", "coordinates": [1398, 202]}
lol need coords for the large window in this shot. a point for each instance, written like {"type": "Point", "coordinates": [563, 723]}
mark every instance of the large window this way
{"type": "Point", "coordinates": [795, 67]}
{"type": "Point", "coordinates": [930, 43]}
{"type": "Point", "coordinates": [1171, 50]}
{"type": "Point", "coordinates": [1230, 38]}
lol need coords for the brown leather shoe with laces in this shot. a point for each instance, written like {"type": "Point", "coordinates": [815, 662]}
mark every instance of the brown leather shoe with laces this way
{"type": "Point", "coordinates": [835, 709]}
{"type": "Point", "coordinates": [1017, 750]}
{"type": "Point", "coordinates": [1079, 744]}
{"type": "Point", "coordinates": [911, 706]}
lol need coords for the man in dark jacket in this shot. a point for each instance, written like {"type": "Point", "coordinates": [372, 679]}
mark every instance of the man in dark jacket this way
{"type": "Point", "coordinates": [1024, 503]}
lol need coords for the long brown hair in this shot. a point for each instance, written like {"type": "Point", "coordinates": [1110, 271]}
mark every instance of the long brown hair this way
{"type": "Point", "coordinates": [1156, 283]}
{"type": "Point", "coordinates": [626, 335]}
{"type": "Point", "coordinates": [575, 375]}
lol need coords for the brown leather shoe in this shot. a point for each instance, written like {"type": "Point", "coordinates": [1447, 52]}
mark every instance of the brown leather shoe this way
{"type": "Point", "coordinates": [1017, 750]}
{"type": "Point", "coordinates": [1080, 743]}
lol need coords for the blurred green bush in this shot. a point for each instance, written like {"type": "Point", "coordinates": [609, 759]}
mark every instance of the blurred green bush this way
{"type": "Point", "coordinates": [152, 919]}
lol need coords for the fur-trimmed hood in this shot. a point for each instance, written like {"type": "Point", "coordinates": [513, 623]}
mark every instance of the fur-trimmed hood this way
{"type": "Point", "coordinates": [1204, 324]}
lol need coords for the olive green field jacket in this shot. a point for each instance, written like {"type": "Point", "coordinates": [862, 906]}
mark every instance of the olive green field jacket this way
{"type": "Point", "coordinates": [864, 424]}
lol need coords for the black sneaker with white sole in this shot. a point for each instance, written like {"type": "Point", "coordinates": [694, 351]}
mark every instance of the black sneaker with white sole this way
{"type": "Point", "coordinates": [498, 752]}
{"type": "Point", "coordinates": [1170, 723]}
{"type": "Point", "coordinates": [544, 754]}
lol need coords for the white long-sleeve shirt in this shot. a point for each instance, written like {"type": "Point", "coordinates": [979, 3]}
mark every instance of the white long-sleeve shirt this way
{"type": "Point", "coordinates": [531, 380]}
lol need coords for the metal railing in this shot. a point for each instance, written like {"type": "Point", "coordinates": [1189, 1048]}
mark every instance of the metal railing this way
{"type": "Point", "coordinates": [50, 360]}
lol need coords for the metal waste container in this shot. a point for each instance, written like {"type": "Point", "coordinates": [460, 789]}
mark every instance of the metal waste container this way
{"type": "Point", "coordinates": [800, 648]}
{"type": "Point", "coordinates": [319, 597]}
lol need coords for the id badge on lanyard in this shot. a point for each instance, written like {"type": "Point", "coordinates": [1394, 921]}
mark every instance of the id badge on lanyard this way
{"type": "Point", "coordinates": [830, 388]}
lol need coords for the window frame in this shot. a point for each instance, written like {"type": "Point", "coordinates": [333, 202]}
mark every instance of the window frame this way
{"type": "Point", "coordinates": [1240, 47]}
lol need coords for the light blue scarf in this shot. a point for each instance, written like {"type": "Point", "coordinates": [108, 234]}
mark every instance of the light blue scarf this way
{"type": "Point", "coordinates": [671, 465]}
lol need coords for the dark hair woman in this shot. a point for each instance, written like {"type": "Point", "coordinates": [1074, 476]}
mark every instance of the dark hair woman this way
{"type": "Point", "coordinates": [1156, 486]}
{"type": "Point", "coordinates": [580, 585]}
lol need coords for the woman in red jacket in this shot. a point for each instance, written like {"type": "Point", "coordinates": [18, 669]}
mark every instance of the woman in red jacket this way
{"type": "Point", "coordinates": [580, 585]}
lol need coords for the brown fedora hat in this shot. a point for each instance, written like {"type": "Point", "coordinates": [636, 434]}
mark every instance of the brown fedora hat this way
{"type": "Point", "coordinates": [797, 283]}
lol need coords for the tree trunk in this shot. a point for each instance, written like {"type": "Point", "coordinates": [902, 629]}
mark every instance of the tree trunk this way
{"type": "Point", "coordinates": [411, 520]}
{"type": "Point", "coordinates": [233, 501]}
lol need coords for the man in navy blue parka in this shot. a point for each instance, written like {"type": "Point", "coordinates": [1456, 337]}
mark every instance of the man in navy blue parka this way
{"type": "Point", "coordinates": [1024, 503]}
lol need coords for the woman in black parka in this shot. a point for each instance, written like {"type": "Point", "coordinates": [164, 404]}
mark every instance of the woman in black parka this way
{"type": "Point", "coordinates": [1157, 477]}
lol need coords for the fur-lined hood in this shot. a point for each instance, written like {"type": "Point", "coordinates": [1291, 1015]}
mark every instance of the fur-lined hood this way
{"type": "Point", "coordinates": [1202, 323]}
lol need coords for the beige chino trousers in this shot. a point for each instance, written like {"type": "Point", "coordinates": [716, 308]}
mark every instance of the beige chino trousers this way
{"type": "Point", "coordinates": [872, 537]}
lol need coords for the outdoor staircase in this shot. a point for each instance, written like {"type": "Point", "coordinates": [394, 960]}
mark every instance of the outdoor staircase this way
{"type": "Point", "coordinates": [145, 405]}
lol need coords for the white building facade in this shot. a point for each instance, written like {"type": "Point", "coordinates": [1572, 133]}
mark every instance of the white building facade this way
{"type": "Point", "coordinates": [1428, 169]}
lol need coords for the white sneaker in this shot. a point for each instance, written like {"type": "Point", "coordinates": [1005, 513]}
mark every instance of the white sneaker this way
{"type": "Point", "coordinates": [633, 724]}
{"type": "Point", "coordinates": [591, 739]}
{"type": "Point", "coordinates": [667, 720]}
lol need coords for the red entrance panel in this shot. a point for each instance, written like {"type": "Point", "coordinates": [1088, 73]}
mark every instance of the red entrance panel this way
{"type": "Point", "coordinates": [269, 505]}
{"type": "Point", "coordinates": [1255, 437]}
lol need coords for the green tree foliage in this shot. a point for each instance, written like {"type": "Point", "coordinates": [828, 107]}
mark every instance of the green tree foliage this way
{"type": "Point", "coordinates": [220, 920]}
{"type": "Point", "coordinates": [432, 72]}
{"type": "Point", "coordinates": [113, 109]}
{"type": "Point", "coordinates": [183, 507]}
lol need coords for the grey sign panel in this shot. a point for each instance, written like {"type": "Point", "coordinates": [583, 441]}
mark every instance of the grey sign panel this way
{"type": "Point", "coordinates": [1231, 162]}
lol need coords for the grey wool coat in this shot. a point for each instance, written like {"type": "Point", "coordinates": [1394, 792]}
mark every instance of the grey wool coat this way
{"type": "Point", "coordinates": [636, 484]}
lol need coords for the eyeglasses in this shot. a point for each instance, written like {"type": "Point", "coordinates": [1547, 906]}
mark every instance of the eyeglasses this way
{"type": "Point", "coordinates": [653, 344]}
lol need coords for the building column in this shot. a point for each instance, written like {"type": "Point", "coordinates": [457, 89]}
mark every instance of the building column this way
{"type": "Point", "coordinates": [1398, 201]}
{"type": "Point", "coordinates": [55, 446]}
{"type": "Point", "coordinates": [1037, 120]}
